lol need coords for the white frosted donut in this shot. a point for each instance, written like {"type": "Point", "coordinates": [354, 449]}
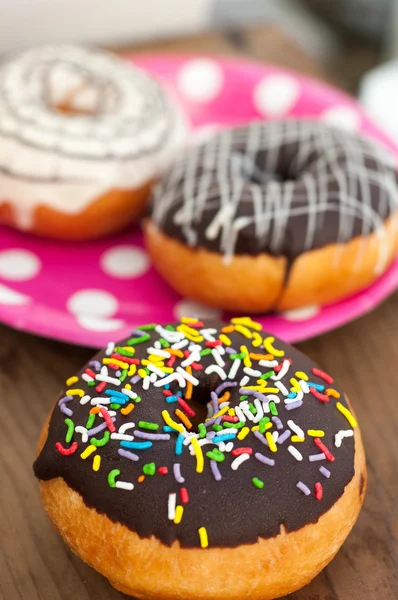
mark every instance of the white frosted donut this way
{"type": "Point", "coordinates": [121, 129]}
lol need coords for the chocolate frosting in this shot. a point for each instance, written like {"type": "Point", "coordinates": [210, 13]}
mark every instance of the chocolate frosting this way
{"type": "Point", "coordinates": [233, 510]}
{"type": "Point", "coordinates": [279, 187]}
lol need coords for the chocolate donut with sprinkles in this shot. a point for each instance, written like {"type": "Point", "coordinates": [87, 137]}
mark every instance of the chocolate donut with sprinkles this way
{"type": "Point", "coordinates": [201, 460]}
{"type": "Point", "coordinates": [276, 215]}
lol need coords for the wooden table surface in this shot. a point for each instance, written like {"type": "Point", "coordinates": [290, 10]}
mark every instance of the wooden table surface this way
{"type": "Point", "coordinates": [34, 562]}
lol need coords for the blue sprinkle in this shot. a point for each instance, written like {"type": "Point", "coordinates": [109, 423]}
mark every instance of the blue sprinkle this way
{"type": "Point", "coordinates": [292, 395]}
{"type": "Point", "coordinates": [179, 443]}
{"type": "Point", "coordinates": [225, 437]}
{"type": "Point", "coordinates": [122, 398]}
{"type": "Point", "coordinates": [168, 429]}
{"type": "Point", "coordinates": [167, 386]}
{"type": "Point", "coordinates": [317, 386]}
{"type": "Point", "coordinates": [170, 399]}
{"type": "Point", "coordinates": [136, 445]}
{"type": "Point", "coordinates": [179, 393]}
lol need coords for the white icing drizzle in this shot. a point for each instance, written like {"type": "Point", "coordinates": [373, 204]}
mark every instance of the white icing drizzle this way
{"type": "Point", "coordinates": [125, 130]}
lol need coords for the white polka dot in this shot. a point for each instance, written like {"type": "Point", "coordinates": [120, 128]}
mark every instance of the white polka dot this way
{"type": "Point", "coordinates": [276, 95]}
{"type": "Point", "coordinates": [344, 117]}
{"type": "Point", "coordinates": [301, 314]}
{"type": "Point", "coordinates": [11, 297]}
{"type": "Point", "coordinates": [97, 303]}
{"type": "Point", "coordinates": [200, 80]}
{"type": "Point", "coordinates": [125, 262]}
{"type": "Point", "coordinates": [190, 308]}
{"type": "Point", "coordinates": [19, 265]}
{"type": "Point", "coordinates": [204, 134]}
{"type": "Point", "coordinates": [99, 324]}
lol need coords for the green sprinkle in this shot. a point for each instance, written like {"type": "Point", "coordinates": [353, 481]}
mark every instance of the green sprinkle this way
{"type": "Point", "coordinates": [71, 429]}
{"type": "Point", "coordinates": [252, 408]}
{"type": "Point", "coordinates": [138, 340]}
{"type": "Point", "coordinates": [202, 430]}
{"type": "Point", "coordinates": [90, 421]}
{"type": "Point", "coordinates": [216, 455]}
{"type": "Point", "coordinates": [91, 383]}
{"type": "Point", "coordinates": [238, 425]}
{"type": "Point", "coordinates": [137, 399]}
{"type": "Point", "coordinates": [149, 327]}
{"type": "Point", "coordinates": [123, 375]}
{"type": "Point", "coordinates": [205, 352]}
{"type": "Point", "coordinates": [115, 406]}
{"type": "Point", "coordinates": [262, 424]}
{"type": "Point", "coordinates": [149, 469]}
{"type": "Point", "coordinates": [164, 343]}
{"type": "Point", "coordinates": [241, 355]}
{"type": "Point", "coordinates": [148, 425]}
{"type": "Point", "coordinates": [102, 442]}
{"type": "Point", "coordinates": [124, 352]}
{"type": "Point", "coordinates": [273, 408]}
{"type": "Point", "coordinates": [258, 483]}
{"type": "Point", "coordinates": [112, 476]}
{"type": "Point", "coordinates": [217, 427]}
{"type": "Point", "coordinates": [243, 398]}
{"type": "Point", "coordinates": [267, 375]}
{"type": "Point", "coordinates": [170, 328]}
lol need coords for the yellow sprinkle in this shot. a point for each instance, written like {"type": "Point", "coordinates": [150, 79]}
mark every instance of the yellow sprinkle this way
{"type": "Point", "coordinates": [246, 361]}
{"type": "Point", "coordinates": [315, 432]}
{"type": "Point", "coordinates": [130, 349]}
{"type": "Point", "coordinates": [244, 331]}
{"type": "Point", "coordinates": [72, 380]}
{"type": "Point", "coordinates": [128, 386]}
{"type": "Point", "coordinates": [127, 409]}
{"type": "Point", "coordinates": [154, 358]}
{"type": "Point", "coordinates": [75, 393]}
{"type": "Point", "coordinates": [220, 413]}
{"type": "Point", "coordinates": [231, 412]}
{"type": "Point", "coordinates": [190, 333]}
{"type": "Point", "coordinates": [262, 389]}
{"type": "Point", "coordinates": [257, 340]}
{"type": "Point", "coordinates": [247, 321]}
{"type": "Point", "coordinates": [183, 418]}
{"type": "Point", "coordinates": [268, 426]}
{"type": "Point", "coordinates": [188, 320]}
{"type": "Point", "coordinates": [167, 369]}
{"type": "Point", "coordinates": [178, 514]}
{"type": "Point", "coordinates": [132, 370]}
{"type": "Point", "coordinates": [296, 438]}
{"type": "Point", "coordinates": [142, 373]}
{"type": "Point", "coordinates": [115, 361]}
{"type": "Point", "coordinates": [96, 462]}
{"type": "Point", "coordinates": [348, 415]}
{"type": "Point", "coordinates": [243, 433]}
{"type": "Point", "coordinates": [302, 375]}
{"type": "Point", "coordinates": [199, 455]}
{"type": "Point", "coordinates": [295, 385]}
{"type": "Point", "coordinates": [204, 541]}
{"type": "Point", "coordinates": [271, 441]}
{"type": "Point", "coordinates": [255, 428]}
{"type": "Point", "coordinates": [332, 392]}
{"type": "Point", "coordinates": [270, 348]}
{"type": "Point", "coordinates": [169, 421]}
{"type": "Point", "coordinates": [89, 450]}
{"type": "Point", "coordinates": [225, 339]}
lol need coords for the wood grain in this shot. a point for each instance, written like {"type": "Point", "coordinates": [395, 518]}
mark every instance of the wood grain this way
{"type": "Point", "coordinates": [363, 356]}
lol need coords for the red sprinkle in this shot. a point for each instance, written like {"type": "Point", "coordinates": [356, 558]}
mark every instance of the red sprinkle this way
{"type": "Point", "coordinates": [230, 419]}
{"type": "Point", "coordinates": [114, 367]}
{"type": "Point", "coordinates": [184, 495]}
{"type": "Point", "coordinates": [187, 409]}
{"type": "Point", "coordinates": [197, 366]}
{"type": "Point", "coordinates": [90, 373]}
{"type": "Point", "coordinates": [196, 325]}
{"type": "Point", "coordinates": [163, 470]}
{"type": "Point", "coordinates": [171, 360]}
{"type": "Point", "coordinates": [126, 359]}
{"type": "Point", "coordinates": [321, 397]}
{"type": "Point", "coordinates": [318, 491]}
{"type": "Point", "coordinates": [323, 375]}
{"type": "Point", "coordinates": [101, 386]}
{"type": "Point", "coordinates": [213, 344]}
{"type": "Point", "coordinates": [239, 451]}
{"type": "Point", "coordinates": [167, 393]}
{"type": "Point", "coordinates": [107, 419]}
{"type": "Point", "coordinates": [324, 449]}
{"type": "Point", "coordinates": [66, 451]}
{"type": "Point", "coordinates": [279, 367]}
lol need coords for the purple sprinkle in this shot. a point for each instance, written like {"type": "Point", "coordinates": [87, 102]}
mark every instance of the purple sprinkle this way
{"type": "Point", "coordinates": [301, 486]}
{"type": "Point", "coordinates": [134, 379]}
{"type": "Point", "coordinates": [325, 472]}
{"type": "Point", "coordinates": [151, 436]}
{"type": "Point", "coordinates": [64, 400]}
{"type": "Point", "coordinates": [210, 421]}
{"type": "Point", "coordinates": [224, 385]}
{"type": "Point", "coordinates": [95, 364]}
{"type": "Point", "coordinates": [127, 454]}
{"type": "Point", "coordinates": [247, 392]}
{"type": "Point", "coordinates": [264, 459]}
{"type": "Point", "coordinates": [214, 400]}
{"type": "Point", "coordinates": [284, 436]}
{"type": "Point", "coordinates": [277, 422]}
{"type": "Point", "coordinates": [260, 396]}
{"type": "Point", "coordinates": [67, 411]}
{"type": "Point", "coordinates": [211, 435]}
{"type": "Point", "coordinates": [138, 332]}
{"type": "Point", "coordinates": [218, 420]}
{"type": "Point", "coordinates": [177, 473]}
{"type": "Point", "coordinates": [315, 457]}
{"type": "Point", "coordinates": [231, 350]}
{"type": "Point", "coordinates": [118, 373]}
{"type": "Point", "coordinates": [99, 428]}
{"type": "Point", "coordinates": [215, 470]}
{"type": "Point", "coordinates": [260, 437]}
{"type": "Point", "coordinates": [293, 405]}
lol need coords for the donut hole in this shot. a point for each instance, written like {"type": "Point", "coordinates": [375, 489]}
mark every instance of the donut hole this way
{"type": "Point", "coordinates": [200, 401]}
{"type": "Point", "coordinates": [244, 166]}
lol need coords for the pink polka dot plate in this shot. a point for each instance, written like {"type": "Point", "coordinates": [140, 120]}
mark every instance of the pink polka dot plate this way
{"type": "Point", "coordinates": [87, 293]}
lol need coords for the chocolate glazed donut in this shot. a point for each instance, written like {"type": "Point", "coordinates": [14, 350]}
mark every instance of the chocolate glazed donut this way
{"type": "Point", "coordinates": [304, 212]}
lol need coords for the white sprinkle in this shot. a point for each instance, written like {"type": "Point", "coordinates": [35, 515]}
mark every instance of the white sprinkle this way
{"type": "Point", "coordinates": [240, 414]}
{"type": "Point", "coordinates": [268, 363]}
{"type": "Point", "coordinates": [228, 447]}
{"type": "Point", "coordinates": [244, 406]}
{"type": "Point", "coordinates": [260, 412]}
{"type": "Point", "coordinates": [157, 352]}
{"type": "Point", "coordinates": [110, 348]}
{"type": "Point", "coordinates": [239, 460]}
{"type": "Point", "coordinates": [266, 407]}
{"type": "Point", "coordinates": [146, 382]}
{"type": "Point", "coordinates": [338, 438]}
{"type": "Point", "coordinates": [252, 372]}
{"type": "Point", "coordinates": [297, 398]}
{"type": "Point", "coordinates": [234, 369]}
{"type": "Point", "coordinates": [83, 431]}
{"type": "Point", "coordinates": [244, 381]}
{"type": "Point", "coordinates": [282, 372]}
{"type": "Point", "coordinates": [104, 370]}
{"type": "Point", "coordinates": [154, 369]}
{"type": "Point", "coordinates": [187, 376]}
{"type": "Point", "coordinates": [193, 357]}
{"type": "Point", "coordinates": [122, 436]}
{"type": "Point", "coordinates": [294, 452]}
{"type": "Point", "coordinates": [170, 336]}
{"type": "Point", "coordinates": [215, 369]}
{"type": "Point", "coordinates": [217, 358]}
{"type": "Point", "coordinates": [172, 506]}
{"type": "Point", "coordinates": [179, 345]}
{"type": "Point", "coordinates": [153, 377]}
{"type": "Point", "coordinates": [297, 430]}
{"type": "Point", "coordinates": [304, 386]}
{"type": "Point", "coordinates": [157, 345]}
{"type": "Point", "coordinates": [85, 399]}
{"type": "Point", "coordinates": [97, 401]}
{"type": "Point", "coordinates": [129, 393]}
{"type": "Point", "coordinates": [273, 398]}
{"type": "Point", "coordinates": [112, 380]}
{"type": "Point", "coordinates": [275, 435]}
{"type": "Point", "coordinates": [169, 379]}
{"type": "Point", "coordinates": [123, 428]}
{"type": "Point", "coordinates": [281, 388]}
{"type": "Point", "coordinates": [125, 485]}
{"type": "Point", "coordinates": [87, 378]}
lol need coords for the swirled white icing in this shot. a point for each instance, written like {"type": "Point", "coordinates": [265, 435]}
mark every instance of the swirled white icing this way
{"type": "Point", "coordinates": [124, 129]}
